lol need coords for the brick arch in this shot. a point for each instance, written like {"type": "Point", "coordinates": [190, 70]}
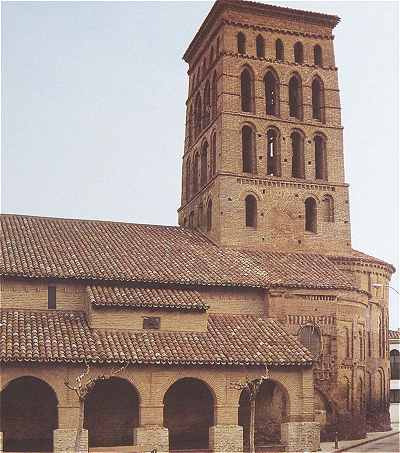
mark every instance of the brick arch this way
{"type": "Point", "coordinates": [326, 412]}
{"type": "Point", "coordinates": [255, 193]}
{"type": "Point", "coordinates": [29, 414]}
{"type": "Point", "coordinates": [272, 409]}
{"type": "Point", "coordinates": [189, 412]}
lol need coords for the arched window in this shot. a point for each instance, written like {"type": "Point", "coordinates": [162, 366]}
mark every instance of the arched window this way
{"type": "Point", "coordinates": [190, 134]}
{"type": "Point", "coordinates": [297, 155]}
{"type": "Point", "coordinates": [310, 206]}
{"type": "Point", "coordinates": [360, 340]}
{"type": "Point", "coordinates": [246, 90]}
{"type": "Point", "coordinates": [204, 68]}
{"type": "Point", "coordinates": [347, 393]}
{"type": "Point", "coordinates": [328, 209]}
{"type": "Point", "coordinates": [298, 53]}
{"type": "Point", "coordinates": [279, 51]}
{"type": "Point", "coordinates": [211, 56]}
{"type": "Point", "coordinates": [320, 158]}
{"type": "Point", "coordinates": [214, 96]}
{"type": "Point", "coordinates": [310, 337]}
{"type": "Point", "coordinates": [260, 46]}
{"type": "Point", "coordinates": [361, 393]}
{"type": "Point", "coordinates": [248, 150]}
{"type": "Point", "coordinates": [213, 165]}
{"type": "Point", "coordinates": [317, 55]}
{"type": "Point", "coordinates": [251, 211]}
{"type": "Point", "coordinates": [207, 105]}
{"type": "Point", "coordinates": [197, 115]}
{"type": "Point", "coordinates": [348, 345]}
{"type": "Point", "coordinates": [271, 85]}
{"type": "Point", "coordinates": [195, 174]}
{"type": "Point", "coordinates": [203, 164]}
{"type": "Point", "coordinates": [317, 89]}
{"type": "Point", "coordinates": [209, 215]}
{"type": "Point", "coordinates": [273, 155]}
{"type": "Point", "coordinates": [394, 364]}
{"type": "Point", "coordinates": [188, 176]}
{"type": "Point", "coordinates": [217, 48]}
{"type": "Point", "coordinates": [200, 216]}
{"type": "Point", "coordinates": [295, 97]}
{"type": "Point", "coordinates": [241, 43]}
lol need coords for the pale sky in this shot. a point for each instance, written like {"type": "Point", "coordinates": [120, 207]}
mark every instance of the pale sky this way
{"type": "Point", "coordinates": [93, 112]}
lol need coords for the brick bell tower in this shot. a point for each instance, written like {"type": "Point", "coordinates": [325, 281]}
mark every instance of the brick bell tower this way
{"type": "Point", "coordinates": [263, 158]}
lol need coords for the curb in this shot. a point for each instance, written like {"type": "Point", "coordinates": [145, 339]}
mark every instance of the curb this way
{"type": "Point", "coordinates": [366, 441]}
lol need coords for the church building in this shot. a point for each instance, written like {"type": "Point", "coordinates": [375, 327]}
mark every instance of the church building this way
{"type": "Point", "coordinates": [259, 278]}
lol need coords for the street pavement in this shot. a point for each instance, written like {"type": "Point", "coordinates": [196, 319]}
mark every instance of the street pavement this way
{"type": "Point", "coordinates": [389, 444]}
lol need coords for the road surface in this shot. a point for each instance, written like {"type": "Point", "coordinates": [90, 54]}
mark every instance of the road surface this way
{"type": "Point", "coordinates": [387, 445]}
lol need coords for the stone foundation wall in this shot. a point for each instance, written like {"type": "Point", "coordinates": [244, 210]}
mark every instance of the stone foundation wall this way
{"type": "Point", "coordinates": [64, 441]}
{"type": "Point", "coordinates": [226, 438]}
{"type": "Point", "coordinates": [300, 436]}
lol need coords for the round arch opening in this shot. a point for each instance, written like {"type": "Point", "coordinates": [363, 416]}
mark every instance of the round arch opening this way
{"type": "Point", "coordinates": [271, 409]}
{"type": "Point", "coordinates": [188, 414]}
{"type": "Point", "coordinates": [112, 413]}
{"type": "Point", "coordinates": [28, 415]}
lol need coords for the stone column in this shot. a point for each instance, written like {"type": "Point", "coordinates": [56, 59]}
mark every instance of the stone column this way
{"type": "Point", "coordinates": [226, 435]}
{"type": "Point", "coordinates": [300, 436]}
{"type": "Point", "coordinates": [151, 433]}
{"type": "Point", "coordinates": [64, 437]}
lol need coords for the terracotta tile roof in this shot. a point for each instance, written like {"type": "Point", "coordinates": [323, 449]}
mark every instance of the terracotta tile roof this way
{"type": "Point", "coordinates": [356, 255]}
{"type": "Point", "coordinates": [394, 334]}
{"type": "Point", "coordinates": [39, 247]}
{"type": "Point", "coordinates": [55, 336]}
{"type": "Point", "coordinates": [136, 297]}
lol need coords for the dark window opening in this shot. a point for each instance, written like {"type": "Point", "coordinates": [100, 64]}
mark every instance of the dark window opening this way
{"type": "Point", "coordinates": [271, 85]}
{"type": "Point", "coordinates": [213, 166]}
{"type": "Point", "coordinates": [211, 56]}
{"type": "Point", "coordinates": [246, 91]}
{"type": "Point", "coordinates": [273, 165]}
{"type": "Point", "coordinates": [200, 216]}
{"type": "Point", "coordinates": [279, 51]}
{"type": "Point", "coordinates": [207, 105]}
{"type": "Point", "coordinates": [190, 126]}
{"type": "Point", "coordinates": [310, 337]}
{"type": "Point", "coordinates": [51, 298]}
{"type": "Point", "coordinates": [298, 53]}
{"type": "Point", "coordinates": [197, 116]}
{"type": "Point", "coordinates": [394, 364]}
{"type": "Point", "coordinates": [311, 215]}
{"type": "Point", "coordinates": [195, 175]}
{"type": "Point", "coordinates": [328, 211]}
{"type": "Point", "coordinates": [203, 164]}
{"type": "Point", "coordinates": [251, 211]}
{"type": "Point", "coordinates": [151, 322]}
{"type": "Point", "coordinates": [188, 176]}
{"type": "Point", "coordinates": [214, 96]}
{"type": "Point", "coordinates": [248, 150]}
{"type": "Point", "coordinates": [297, 155]}
{"type": "Point", "coordinates": [209, 215]}
{"type": "Point", "coordinates": [295, 98]}
{"type": "Point", "coordinates": [260, 46]}
{"type": "Point", "coordinates": [241, 43]}
{"type": "Point", "coordinates": [317, 55]}
{"type": "Point", "coordinates": [320, 158]}
{"type": "Point", "coordinates": [317, 99]}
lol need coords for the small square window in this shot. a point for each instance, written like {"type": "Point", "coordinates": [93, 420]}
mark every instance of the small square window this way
{"type": "Point", "coordinates": [151, 322]}
{"type": "Point", "coordinates": [51, 298]}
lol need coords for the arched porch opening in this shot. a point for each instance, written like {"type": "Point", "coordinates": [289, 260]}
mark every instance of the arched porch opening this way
{"type": "Point", "coordinates": [28, 415]}
{"type": "Point", "coordinates": [188, 414]}
{"type": "Point", "coordinates": [325, 414]}
{"type": "Point", "coordinates": [271, 411]}
{"type": "Point", "coordinates": [111, 413]}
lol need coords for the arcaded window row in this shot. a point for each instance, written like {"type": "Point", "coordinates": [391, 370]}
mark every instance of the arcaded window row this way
{"type": "Point", "coordinates": [272, 95]}
{"type": "Point", "coordinates": [273, 154]}
{"type": "Point", "coordinates": [327, 212]}
{"type": "Point", "coordinates": [298, 50]}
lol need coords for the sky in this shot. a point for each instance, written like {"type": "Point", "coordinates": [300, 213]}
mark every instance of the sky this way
{"type": "Point", "coordinates": [93, 112]}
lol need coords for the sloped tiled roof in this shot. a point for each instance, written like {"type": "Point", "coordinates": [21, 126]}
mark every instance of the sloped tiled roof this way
{"type": "Point", "coordinates": [357, 256]}
{"type": "Point", "coordinates": [55, 336]}
{"type": "Point", "coordinates": [39, 247]}
{"type": "Point", "coordinates": [394, 334]}
{"type": "Point", "coordinates": [136, 297]}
